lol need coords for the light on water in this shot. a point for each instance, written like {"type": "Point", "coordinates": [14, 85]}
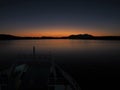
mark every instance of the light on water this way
{"type": "Point", "coordinates": [64, 50]}
{"type": "Point", "coordinates": [85, 60]}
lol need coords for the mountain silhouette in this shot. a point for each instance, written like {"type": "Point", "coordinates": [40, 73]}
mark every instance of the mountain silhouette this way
{"type": "Point", "coordinates": [78, 36]}
{"type": "Point", "coordinates": [81, 36]}
{"type": "Point", "coordinates": [6, 36]}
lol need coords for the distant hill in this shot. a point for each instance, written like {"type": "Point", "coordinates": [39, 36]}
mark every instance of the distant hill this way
{"type": "Point", "coordinates": [88, 36]}
{"type": "Point", "coordinates": [81, 36]}
{"type": "Point", "coordinates": [8, 37]}
{"type": "Point", "coordinates": [12, 37]}
{"type": "Point", "coordinates": [78, 36]}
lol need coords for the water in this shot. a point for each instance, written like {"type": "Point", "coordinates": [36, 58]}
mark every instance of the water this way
{"type": "Point", "coordinates": [66, 51]}
{"type": "Point", "coordinates": [93, 63]}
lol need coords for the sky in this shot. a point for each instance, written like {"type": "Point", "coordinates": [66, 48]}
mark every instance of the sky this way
{"type": "Point", "coordinates": [60, 17]}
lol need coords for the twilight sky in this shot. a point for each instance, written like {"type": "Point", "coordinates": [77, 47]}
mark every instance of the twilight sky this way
{"type": "Point", "coordinates": [59, 17]}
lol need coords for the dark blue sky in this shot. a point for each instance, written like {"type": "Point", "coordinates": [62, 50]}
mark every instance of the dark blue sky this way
{"type": "Point", "coordinates": [100, 17]}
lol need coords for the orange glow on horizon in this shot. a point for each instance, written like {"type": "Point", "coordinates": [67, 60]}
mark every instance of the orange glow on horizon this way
{"type": "Point", "coordinates": [58, 32]}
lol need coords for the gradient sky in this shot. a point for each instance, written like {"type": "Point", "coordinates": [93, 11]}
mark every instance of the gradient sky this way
{"type": "Point", "coordinates": [59, 17]}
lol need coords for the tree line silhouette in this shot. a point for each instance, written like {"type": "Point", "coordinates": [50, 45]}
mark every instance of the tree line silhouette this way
{"type": "Point", "coordinates": [78, 36]}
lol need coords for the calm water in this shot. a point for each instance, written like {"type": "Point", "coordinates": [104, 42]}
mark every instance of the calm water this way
{"type": "Point", "coordinates": [66, 51]}
{"type": "Point", "coordinates": [86, 60]}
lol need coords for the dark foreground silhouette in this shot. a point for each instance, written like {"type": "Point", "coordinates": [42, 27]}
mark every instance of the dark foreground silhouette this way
{"type": "Point", "coordinates": [78, 36]}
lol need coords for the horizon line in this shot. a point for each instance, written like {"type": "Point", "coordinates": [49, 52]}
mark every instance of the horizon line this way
{"type": "Point", "coordinates": [59, 36]}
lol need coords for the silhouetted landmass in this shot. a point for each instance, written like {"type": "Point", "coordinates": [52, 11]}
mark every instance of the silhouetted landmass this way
{"type": "Point", "coordinates": [81, 36]}
{"type": "Point", "coordinates": [6, 36]}
{"type": "Point", "coordinates": [12, 37]}
{"type": "Point", "coordinates": [107, 38]}
{"type": "Point", "coordinates": [90, 37]}
{"type": "Point", "coordinates": [78, 36]}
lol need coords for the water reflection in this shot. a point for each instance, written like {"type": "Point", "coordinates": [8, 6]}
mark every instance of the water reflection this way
{"type": "Point", "coordinates": [85, 60]}
{"type": "Point", "coordinates": [66, 49]}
